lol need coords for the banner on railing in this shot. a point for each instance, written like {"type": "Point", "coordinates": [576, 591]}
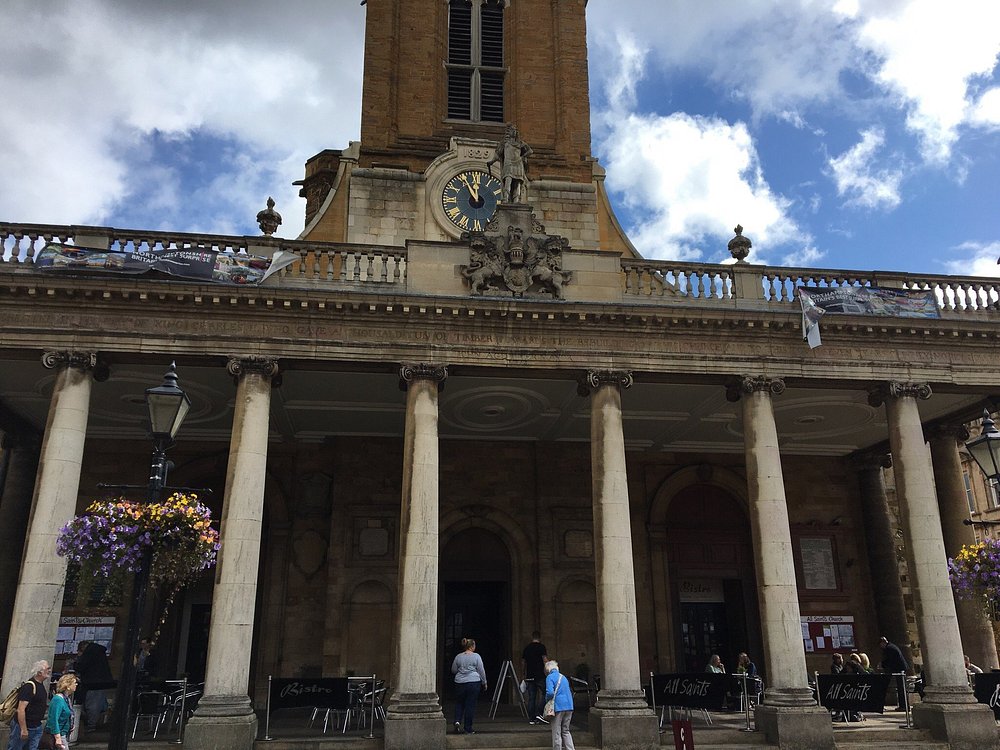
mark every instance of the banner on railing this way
{"type": "Point", "coordinates": [692, 690]}
{"type": "Point", "coordinates": [187, 263]}
{"type": "Point", "coordinates": [855, 692]}
{"type": "Point", "coordinates": [987, 689]}
{"type": "Point", "coordinates": [862, 300]}
{"type": "Point", "coordinates": [302, 692]}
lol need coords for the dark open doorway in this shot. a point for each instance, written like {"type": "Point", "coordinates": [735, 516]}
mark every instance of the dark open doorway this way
{"type": "Point", "coordinates": [477, 611]}
{"type": "Point", "coordinates": [475, 602]}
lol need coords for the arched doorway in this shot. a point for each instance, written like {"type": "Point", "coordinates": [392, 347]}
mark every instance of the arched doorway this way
{"type": "Point", "coordinates": [713, 590]}
{"type": "Point", "coordinates": [475, 601]}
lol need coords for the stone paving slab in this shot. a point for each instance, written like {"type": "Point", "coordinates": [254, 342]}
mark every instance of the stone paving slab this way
{"type": "Point", "coordinates": [512, 732]}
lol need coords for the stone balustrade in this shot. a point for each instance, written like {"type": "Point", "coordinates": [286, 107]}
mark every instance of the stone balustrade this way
{"type": "Point", "coordinates": [318, 261]}
{"type": "Point", "coordinates": [677, 281]}
{"type": "Point", "coordinates": [656, 282]}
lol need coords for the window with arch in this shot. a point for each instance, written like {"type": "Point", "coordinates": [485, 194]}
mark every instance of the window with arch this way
{"type": "Point", "coordinates": [475, 60]}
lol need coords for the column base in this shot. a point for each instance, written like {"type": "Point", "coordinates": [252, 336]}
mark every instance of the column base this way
{"type": "Point", "coordinates": [968, 726]}
{"type": "Point", "coordinates": [795, 728]}
{"type": "Point", "coordinates": [414, 721]}
{"type": "Point", "coordinates": [622, 721]}
{"type": "Point", "coordinates": [222, 722]}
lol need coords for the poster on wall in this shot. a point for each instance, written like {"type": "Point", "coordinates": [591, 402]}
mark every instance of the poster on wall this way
{"type": "Point", "coordinates": [827, 633]}
{"type": "Point", "coordinates": [72, 630]}
{"type": "Point", "coordinates": [819, 571]}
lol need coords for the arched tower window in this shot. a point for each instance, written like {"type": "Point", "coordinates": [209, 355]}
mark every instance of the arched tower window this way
{"type": "Point", "coordinates": [475, 60]}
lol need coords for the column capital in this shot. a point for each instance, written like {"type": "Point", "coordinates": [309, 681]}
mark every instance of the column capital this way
{"type": "Point", "coordinates": [895, 389]}
{"type": "Point", "coordinates": [85, 361]}
{"type": "Point", "coordinates": [752, 383]}
{"type": "Point", "coordinates": [267, 367]}
{"type": "Point", "coordinates": [870, 460]}
{"type": "Point", "coordinates": [411, 371]}
{"type": "Point", "coordinates": [594, 379]}
{"type": "Point", "coordinates": [956, 431]}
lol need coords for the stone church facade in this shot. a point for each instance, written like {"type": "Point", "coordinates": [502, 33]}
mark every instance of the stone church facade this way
{"type": "Point", "coordinates": [452, 418]}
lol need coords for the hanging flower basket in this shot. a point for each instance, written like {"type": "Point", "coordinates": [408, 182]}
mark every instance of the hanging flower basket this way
{"type": "Point", "coordinates": [113, 537]}
{"type": "Point", "coordinates": [975, 574]}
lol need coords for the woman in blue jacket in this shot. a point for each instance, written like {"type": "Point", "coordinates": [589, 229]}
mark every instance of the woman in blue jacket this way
{"type": "Point", "coordinates": [557, 690]}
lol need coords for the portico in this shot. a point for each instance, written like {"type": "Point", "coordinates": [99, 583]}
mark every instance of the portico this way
{"type": "Point", "coordinates": [506, 445]}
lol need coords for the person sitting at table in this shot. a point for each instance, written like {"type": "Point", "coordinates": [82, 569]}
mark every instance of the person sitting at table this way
{"type": "Point", "coordinates": [971, 668]}
{"type": "Point", "coordinates": [853, 664]}
{"type": "Point", "coordinates": [747, 667]}
{"type": "Point", "coordinates": [715, 665]}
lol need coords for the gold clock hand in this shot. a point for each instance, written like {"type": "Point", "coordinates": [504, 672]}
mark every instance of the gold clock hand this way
{"type": "Point", "coordinates": [474, 191]}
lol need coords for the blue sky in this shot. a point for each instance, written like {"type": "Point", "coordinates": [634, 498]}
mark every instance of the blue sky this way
{"type": "Point", "coordinates": [861, 134]}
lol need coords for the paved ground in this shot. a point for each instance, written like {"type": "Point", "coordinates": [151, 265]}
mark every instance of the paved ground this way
{"type": "Point", "coordinates": [509, 729]}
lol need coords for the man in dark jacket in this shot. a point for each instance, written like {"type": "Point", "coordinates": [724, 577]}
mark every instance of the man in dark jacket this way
{"type": "Point", "coordinates": [894, 663]}
{"type": "Point", "coordinates": [92, 667]}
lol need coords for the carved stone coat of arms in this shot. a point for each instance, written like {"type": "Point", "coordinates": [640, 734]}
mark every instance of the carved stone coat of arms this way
{"type": "Point", "coordinates": [514, 257]}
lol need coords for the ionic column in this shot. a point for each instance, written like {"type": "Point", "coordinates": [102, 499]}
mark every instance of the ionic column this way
{"type": "Point", "coordinates": [880, 541]}
{"type": "Point", "coordinates": [948, 709]}
{"type": "Point", "coordinates": [15, 509]}
{"type": "Point", "coordinates": [225, 719]}
{"type": "Point", "coordinates": [414, 720]}
{"type": "Point", "coordinates": [621, 717]}
{"type": "Point", "coordinates": [953, 504]}
{"type": "Point", "coordinates": [38, 601]}
{"type": "Point", "coordinates": [788, 715]}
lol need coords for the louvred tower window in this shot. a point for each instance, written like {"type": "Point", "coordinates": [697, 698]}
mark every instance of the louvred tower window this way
{"type": "Point", "coordinates": [475, 60]}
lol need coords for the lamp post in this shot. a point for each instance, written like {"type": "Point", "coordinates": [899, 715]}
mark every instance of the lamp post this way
{"type": "Point", "coordinates": [168, 405]}
{"type": "Point", "coordinates": [986, 448]}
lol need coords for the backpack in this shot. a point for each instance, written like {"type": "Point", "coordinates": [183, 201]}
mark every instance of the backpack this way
{"type": "Point", "coordinates": [8, 709]}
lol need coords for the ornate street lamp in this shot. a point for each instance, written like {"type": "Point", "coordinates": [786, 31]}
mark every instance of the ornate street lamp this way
{"type": "Point", "coordinates": [986, 448]}
{"type": "Point", "coordinates": [168, 405]}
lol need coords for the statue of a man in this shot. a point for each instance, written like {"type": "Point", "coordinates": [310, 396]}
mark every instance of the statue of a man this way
{"type": "Point", "coordinates": [512, 153]}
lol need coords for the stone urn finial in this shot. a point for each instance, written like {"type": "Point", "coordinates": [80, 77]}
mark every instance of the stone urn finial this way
{"type": "Point", "coordinates": [739, 246]}
{"type": "Point", "coordinates": [268, 219]}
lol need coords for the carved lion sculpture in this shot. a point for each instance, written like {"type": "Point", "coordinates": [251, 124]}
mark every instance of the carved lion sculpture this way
{"type": "Point", "coordinates": [484, 268]}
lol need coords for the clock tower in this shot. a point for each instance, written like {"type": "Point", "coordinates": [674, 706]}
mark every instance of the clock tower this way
{"type": "Point", "coordinates": [442, 80]}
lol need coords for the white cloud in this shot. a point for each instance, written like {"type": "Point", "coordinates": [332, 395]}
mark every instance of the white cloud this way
{"type": "Point", "coordinates": [686, 180]}
{"type": "Point", "coordinates": [690, 180]}
{"type": "Point", "coordinates": [930, 53]}
{"type": "Point", "coordinates": [777, 55]}
{"type": "Point", "coordinates": [986, 111]}
{"type": "Point", "coordinates": [860, 181]}
{"type": "Point", "coordinates": [979, 259]}
{"type": "Point", "coordinates": [788, 57]}
{"type": "Point", "coordinates": [95, 80]}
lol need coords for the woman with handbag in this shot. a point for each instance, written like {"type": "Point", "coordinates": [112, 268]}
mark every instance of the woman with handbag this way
{"type": "Point", "coordinates": [559, 708]}
{"type": "Point", "coordinates": [60, 721]}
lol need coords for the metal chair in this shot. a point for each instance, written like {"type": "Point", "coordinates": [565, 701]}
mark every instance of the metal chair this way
{"type": "Point", "coordinates": [182, 703]}
{"type": "Point", "coordinates": [363, 702]}
{"type": "Point", "coordinates": [153, 707]}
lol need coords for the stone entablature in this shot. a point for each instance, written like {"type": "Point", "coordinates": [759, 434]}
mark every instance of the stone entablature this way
{"type": "Point", "coordinates": [374, 303]}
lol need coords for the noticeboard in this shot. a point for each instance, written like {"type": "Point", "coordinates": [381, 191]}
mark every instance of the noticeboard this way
{"type": "Point", "coordinates": [827, 633]}
{"type": "Point", "coordinates": [72, 630]}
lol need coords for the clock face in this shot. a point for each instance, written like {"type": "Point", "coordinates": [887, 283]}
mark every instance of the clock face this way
{"type": "Point", "coordinates": [470, 199]}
